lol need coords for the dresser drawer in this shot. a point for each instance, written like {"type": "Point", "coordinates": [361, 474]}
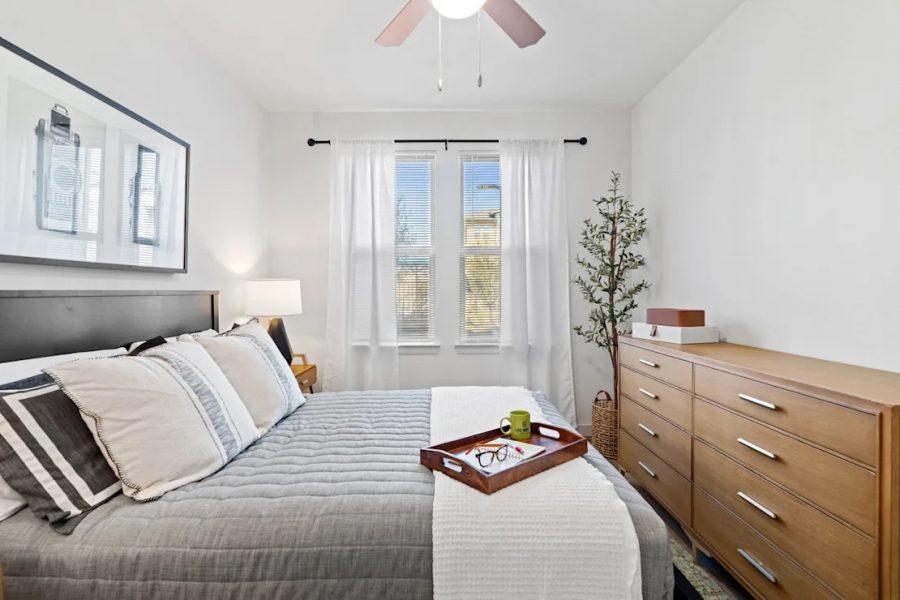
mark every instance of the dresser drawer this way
{"type": "Point", "coordinates": [768, 571]}
{"type": "Point", "coordinates": [839, 556]}
{"type": "Point", "coordinates": [843, 488]}
{"type": "Point", "coordinates": [672, 370]}
{"type": "Point", "coordinates": [841, 429]}
{"type": "Point", "coordinates": [661, 480]}
{"type": "Point", "coordinates": [663, 399]}
{"type": "Point", "coordinates": [664, 439]}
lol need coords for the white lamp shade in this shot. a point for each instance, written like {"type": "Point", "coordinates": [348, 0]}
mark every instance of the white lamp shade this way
{"type": "Point", "coordinates": [274, 297]}
{"type": "Point", "coordinates": [457, 9]}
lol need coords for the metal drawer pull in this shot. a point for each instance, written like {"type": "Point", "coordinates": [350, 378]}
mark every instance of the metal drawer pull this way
{"type": "Point", "coordinates": [757, 401]}
{"type": "Point", "coordinates": [757, 565]}
{"type": "Point", "coordinates": [648, 469]}
{"type": "Point", "coordinates": [646, 393]}
{"type": "Point", "coordinates": [648, 363]}
{"type": "Point", "coordinates": [756, 448]}
{"type": "Point", "coordinates": [647, 429]}
{"type": "Point", "coordinates": [757, 505]}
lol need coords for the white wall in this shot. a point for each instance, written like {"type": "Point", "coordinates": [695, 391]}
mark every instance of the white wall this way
{"type": "Point", "coordinates": [298, 220]}
{"type": "Point", "coordinates": [135, 55]}
{"type": "Point", "coordinates": [770, 162]}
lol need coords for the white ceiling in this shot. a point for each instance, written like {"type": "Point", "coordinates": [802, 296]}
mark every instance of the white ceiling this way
{"type": "Point", "coordinates": [321, 55]}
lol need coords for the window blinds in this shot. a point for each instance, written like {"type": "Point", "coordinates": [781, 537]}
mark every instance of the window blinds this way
{"type": "Point", "coordinates": [479, 261]}
{"type": "Point", "coordinates": [414, 248]}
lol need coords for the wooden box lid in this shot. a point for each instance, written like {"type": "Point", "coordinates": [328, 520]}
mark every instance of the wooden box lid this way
{"type": "Point", "coordinates": [676, 317]}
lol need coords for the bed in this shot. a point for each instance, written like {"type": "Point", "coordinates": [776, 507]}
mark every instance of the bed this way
{"type": "Point", "coordinates": [331, 503]}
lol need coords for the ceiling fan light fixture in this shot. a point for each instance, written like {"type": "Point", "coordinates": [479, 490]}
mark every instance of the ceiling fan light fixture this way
{"type": "Point", "coordinates": [457, 9]}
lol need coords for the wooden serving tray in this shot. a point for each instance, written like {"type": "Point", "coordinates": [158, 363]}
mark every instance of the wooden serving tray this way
{"type": "Point", "coordinates": [565, 447]}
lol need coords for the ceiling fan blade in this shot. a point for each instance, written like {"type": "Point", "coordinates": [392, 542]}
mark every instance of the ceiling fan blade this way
{"type": "Point", "coordinates": [403, 24]}
{"type": "Point", "coordinates": [517, 23]}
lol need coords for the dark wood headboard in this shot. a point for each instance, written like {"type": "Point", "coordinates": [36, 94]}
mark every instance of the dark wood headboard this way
{"type": "Point", "coordinates": [45, 323]}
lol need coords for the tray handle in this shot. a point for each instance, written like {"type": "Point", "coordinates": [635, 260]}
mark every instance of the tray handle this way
{"type": "Point", "coordinates": [445, 459]}
{"type": "Point", "coordinates": [550, 432]}
{"type": "Point", "coordinates": [453, 464]}
{"type": "Point", "coordinates": [448, 463]}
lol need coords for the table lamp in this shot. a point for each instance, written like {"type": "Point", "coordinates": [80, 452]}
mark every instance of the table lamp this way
{"type": "Point", "coordinates": [272, 299]}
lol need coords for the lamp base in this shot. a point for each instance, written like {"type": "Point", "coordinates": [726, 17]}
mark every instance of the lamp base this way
{"type": "Point", "coordinates": [279, 335]}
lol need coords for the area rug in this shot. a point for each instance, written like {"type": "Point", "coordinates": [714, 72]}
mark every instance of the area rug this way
{"type": "Point", "coordinates": [691, 580]}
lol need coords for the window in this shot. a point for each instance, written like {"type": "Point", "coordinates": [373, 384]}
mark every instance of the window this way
{"type": "Point", "coordinates": [479, 261]}
{"type": "Point", "coordinates": [414, 249]}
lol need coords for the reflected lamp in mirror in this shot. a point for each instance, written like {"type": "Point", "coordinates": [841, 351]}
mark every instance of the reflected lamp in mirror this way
{"type": "Point", "coordinates": [272, 299]}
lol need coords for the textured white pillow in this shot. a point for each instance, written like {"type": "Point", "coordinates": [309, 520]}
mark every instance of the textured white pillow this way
{"type": "Point", "coordinates": [256, 369]}
{"type": "Point", "coordinates": [22, 369]}
{"type": "Point", "coordinates": [162, 419]}
{"type": "Point", "coordinates": [12, 501]}
{"type": "Point", "coordinates": [183, 336]}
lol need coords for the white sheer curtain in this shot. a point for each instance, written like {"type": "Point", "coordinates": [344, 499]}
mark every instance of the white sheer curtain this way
{"type": "Point", "coordinates": [361, 324]}
{"type": "Point", "coordinates": [534, 283]}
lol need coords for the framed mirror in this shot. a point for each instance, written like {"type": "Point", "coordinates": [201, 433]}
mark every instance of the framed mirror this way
{"type": "Point", "coordinates": [85, 181]}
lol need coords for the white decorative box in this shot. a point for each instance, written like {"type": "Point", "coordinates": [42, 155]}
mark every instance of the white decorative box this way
{"type": "Point", "coordinates": [675, 335]}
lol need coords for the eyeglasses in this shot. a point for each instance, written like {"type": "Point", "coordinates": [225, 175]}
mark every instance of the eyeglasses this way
{"type": "Point", "coordinates": [487, 453]}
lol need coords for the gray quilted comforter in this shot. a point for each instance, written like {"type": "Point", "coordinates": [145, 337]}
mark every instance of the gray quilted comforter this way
{"type": "Point", "coordinates": [332, 503]}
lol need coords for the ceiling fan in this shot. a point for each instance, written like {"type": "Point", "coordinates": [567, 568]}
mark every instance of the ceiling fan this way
{"type": "Point", "coordinates": [508, 14]}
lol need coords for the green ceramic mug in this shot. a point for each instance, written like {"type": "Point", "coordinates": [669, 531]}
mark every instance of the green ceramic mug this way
{"type": "Point", "coordinates": [517, 425]}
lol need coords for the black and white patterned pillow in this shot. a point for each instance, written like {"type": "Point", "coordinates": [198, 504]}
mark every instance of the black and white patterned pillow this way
{"type": "Point", "coordinates": [49, 456]}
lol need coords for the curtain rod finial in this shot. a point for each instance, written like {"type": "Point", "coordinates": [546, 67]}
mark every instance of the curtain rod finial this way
{"type": "Point", "coordinates": [583, 141]}
{"type": "Point", "coordinates": [310, 142]}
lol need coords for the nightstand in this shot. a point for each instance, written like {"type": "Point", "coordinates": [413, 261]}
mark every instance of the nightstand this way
{"type": "Point", "coordinates": [305, 374]}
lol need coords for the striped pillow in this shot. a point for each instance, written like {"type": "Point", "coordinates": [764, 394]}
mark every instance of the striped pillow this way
{"type": "Point", "coordinates": [48, 455]}
{"type": "Point", "coordinates": [163, 419]}
{"type": "Point", "coordinates": [257, 370]}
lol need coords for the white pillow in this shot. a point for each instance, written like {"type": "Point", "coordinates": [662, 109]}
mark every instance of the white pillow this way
{"type": "Point", "coordinates": [12, 501]}
{"type": "Point", "coordinates": [162, 419]}
{"type": "Point", "coordinates": [256, 369]}
{"type": "Point", "coordinates": [204, 333]}
{"type": "Point", "coordinates": [22, 369]}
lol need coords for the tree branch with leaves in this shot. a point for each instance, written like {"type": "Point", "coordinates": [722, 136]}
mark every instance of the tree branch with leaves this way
{"type": "Point", "coordinates": [607, 281]}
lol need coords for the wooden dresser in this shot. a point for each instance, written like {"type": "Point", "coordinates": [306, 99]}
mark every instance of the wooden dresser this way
{"type": "Point", "coordinates": [785, 469]}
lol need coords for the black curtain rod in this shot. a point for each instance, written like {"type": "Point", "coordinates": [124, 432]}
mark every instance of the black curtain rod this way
{"type": "Point", "coordinates": [580, 141]}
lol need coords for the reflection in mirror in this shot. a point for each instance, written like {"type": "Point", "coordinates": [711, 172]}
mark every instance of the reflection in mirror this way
{"type": "Point", "coordinates": [145, 217]}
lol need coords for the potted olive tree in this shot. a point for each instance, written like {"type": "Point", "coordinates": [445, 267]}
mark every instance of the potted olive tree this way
{"type": "Point", "coordinates": [607, 281]}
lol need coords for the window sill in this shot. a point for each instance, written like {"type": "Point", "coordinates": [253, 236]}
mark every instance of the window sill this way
{"type": "Point", "coordinates": [419, 348]}
{"type": "Point", "coordinates": [474, 348]}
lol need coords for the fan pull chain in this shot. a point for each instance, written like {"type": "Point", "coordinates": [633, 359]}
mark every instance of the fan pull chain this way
{"type": "Point", "coordinates": [478, 21]}
{"type": "Point", "coordinates": [440, 53]}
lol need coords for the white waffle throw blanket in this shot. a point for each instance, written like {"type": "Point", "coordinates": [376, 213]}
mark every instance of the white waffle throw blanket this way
{"type": "Point", "coordinates": [561, 534]}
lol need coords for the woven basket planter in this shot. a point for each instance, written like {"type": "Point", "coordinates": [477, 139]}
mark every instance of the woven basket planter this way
{"type": "Point", "coordinates": [605, 426]}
